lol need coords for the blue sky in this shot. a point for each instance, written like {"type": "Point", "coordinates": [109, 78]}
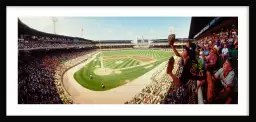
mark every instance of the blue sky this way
{"type": "Point", "coordinates": [112, 28]}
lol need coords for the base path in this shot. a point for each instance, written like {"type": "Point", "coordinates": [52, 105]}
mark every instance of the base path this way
{"type": "Point", "coordinates": [119, 95]}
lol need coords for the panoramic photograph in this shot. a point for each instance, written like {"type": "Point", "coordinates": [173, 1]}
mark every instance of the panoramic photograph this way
{"type": "Point", "coordinates": [127, 60]}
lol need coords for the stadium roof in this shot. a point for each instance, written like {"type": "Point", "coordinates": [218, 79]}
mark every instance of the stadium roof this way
{"type": "Point", "coordinates": [201, 26]}
{"type": "Point", "coordinates": [24, 29]}
{"type": "Point", "coordinates": [197, 24]}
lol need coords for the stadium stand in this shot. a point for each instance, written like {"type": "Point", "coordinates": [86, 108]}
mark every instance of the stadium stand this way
{"type": "Point", "coordinates": [31, 39]}
{"type": "Point", "coordinates": [163, 43]}
{"type": "Point", "coordinates": [42, 60]}
{"type": "Point", "coordinates": [108, 44]}
{"type": "Point", "coordinates": [40, 72]}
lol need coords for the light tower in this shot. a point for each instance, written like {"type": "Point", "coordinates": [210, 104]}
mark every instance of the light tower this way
{"type": "Point", "coordinates": [171, 30]}
{"type": "Point", "coordinates": [54, 20]}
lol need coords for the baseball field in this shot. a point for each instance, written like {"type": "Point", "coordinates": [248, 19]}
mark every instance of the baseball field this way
{"type": "Point", "coordinates": [116, 68]}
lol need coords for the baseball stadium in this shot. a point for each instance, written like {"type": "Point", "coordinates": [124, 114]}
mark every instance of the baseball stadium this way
{"type": "Point", "coordinates": [60, 69]}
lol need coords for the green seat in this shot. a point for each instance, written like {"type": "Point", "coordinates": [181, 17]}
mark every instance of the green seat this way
{"type": "Point", "coordinates": [234, 55]}
{"type": "Point", "coordinates": [233, 52]}
{"type": "Point", "coordinates": [219, 62]}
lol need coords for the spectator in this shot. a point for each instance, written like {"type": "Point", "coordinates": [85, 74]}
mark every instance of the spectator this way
{"type": "Point", "coordinates": [227, 32]}
{"type": "Point", "coordinates": [222, 41]}
{"type": "Point", "coordinates": [217, 48]}
{"type": "Point", "coordinates": [234, 33]}
{"type": "Point", "coordinates": [225, 52]}
{"type": "Point", "coordinates": [211, 60]}
{"type": "Point", "coordinates": [230, 42]}
{"type": "Point", "coordinates": [226, 85]}
{"type": "Point", "coordinates": [217, 44]}
{"type": "Point", "coordinates": [187, 73]}
{"type": "Point", "coordinates": [206, 50]}
{"type": "Point", "coordinates": [217, 41]}
{"type": "Point", "coordinates": [201, 54]}
{"type": "Point", "coordinates": [236, 44]}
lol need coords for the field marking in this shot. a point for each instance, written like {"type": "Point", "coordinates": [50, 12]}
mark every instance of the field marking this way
{"type": "Point", "coordinates": [142, 64]}
{"type": "Point", "coordinates": [123, 58]}
{"type": "Point", "coordinates": [118, 62]}
{"type": "Point", "coordinates": [148, 66]}
{"type": "Point", "coordinates": [120, 65]}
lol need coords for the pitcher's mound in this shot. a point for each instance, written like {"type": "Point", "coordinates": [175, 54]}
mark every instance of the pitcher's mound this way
{"type": "Point", "coordinates": [103, 71]}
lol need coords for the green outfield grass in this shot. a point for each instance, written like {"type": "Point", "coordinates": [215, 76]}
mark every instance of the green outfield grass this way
{"type": "Point", "coordinates": [127, 74]}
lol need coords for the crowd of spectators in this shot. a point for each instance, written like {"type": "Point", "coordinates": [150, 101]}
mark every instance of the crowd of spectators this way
{"type": "Point", "coordinates": [37, 44]}
{"type": "Point", "coordinates": [223, 42]}
{"type": "Point", "coordinates": [114, 44]}
{"type": "Point", "coordinates": [209, 63]}
{"type": "Point", "coordinates": [152, 93]}
{"type": "Point", "coordinates": [157, 91]}
{"type": "Point", "coordinates": [39, 75]}
{"type": "Point", "coordinates": [24, 44]}
{"type": "Point", "coordinates": [114, 47]}
{"type": "Point", "coordinates": [30, 42]}
{"type": "Point", "coordinates": [156, 44]}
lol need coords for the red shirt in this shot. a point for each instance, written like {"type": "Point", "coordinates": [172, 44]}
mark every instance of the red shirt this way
{"type": "Point", "coordinates": [211, 59]}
